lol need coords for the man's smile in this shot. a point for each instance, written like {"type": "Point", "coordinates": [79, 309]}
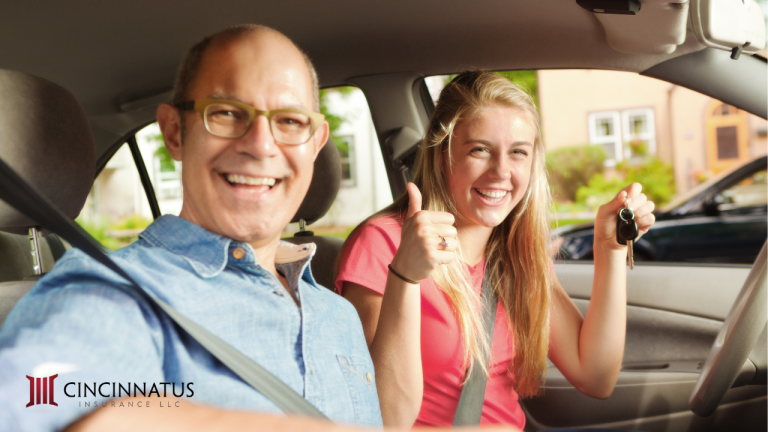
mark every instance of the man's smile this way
{"type": "Point", "coordinates": [250, 184]}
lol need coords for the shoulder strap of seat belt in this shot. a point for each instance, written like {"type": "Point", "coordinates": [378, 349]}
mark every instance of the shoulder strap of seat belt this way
{"type": "Point", "coordinates": [24, 198]}
{"type": "Point", "coordinates": [470, 407]}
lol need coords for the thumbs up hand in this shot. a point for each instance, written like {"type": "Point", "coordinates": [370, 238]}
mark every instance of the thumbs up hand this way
{"type": "Point", "coordinates": [428, 239]}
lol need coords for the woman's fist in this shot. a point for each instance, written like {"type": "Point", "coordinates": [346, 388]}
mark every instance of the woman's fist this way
{"type": "Point", "coordinates": [428, 239]}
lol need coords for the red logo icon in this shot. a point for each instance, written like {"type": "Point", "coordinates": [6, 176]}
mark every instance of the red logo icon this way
{"type": "Point", "coordinates": [41, 387]}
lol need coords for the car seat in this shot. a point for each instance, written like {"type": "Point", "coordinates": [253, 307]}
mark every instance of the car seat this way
{"type": "Point", "coordinates": [45, 137]}
{"type": "Point", "coordinates": [322, 192]}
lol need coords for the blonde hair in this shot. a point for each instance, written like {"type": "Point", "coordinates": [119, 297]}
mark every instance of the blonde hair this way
{"type": "Point", "coordinates": [517, 251]}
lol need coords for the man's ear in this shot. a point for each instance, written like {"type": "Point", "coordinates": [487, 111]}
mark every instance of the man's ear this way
{"type": "Point", "coordinates": [321, 137]}
{"type": "Point", "coordinates": [168, 117]}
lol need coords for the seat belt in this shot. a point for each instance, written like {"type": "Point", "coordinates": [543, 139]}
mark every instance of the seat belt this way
{"type": "Point", "coordinates": [470, 407]}
{"type": "Point", "coordinates": [25, 198]}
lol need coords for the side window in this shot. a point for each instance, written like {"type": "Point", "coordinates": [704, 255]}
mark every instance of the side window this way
{"type": "Point", "coordinates": [364, 185]}
{"type": "Point", "coordinates": [750, 193]}
{"type": "Point", "coordinates": [605, 129]}
{"type": "Point", "coordinates": [117, 209]}
{"type": "Point", "coordinates": [163, 171]}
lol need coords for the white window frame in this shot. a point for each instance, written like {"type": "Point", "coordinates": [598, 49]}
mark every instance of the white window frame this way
{"type": "Point", "coordinates": [622, 132]}
{"type": "Point", "coordinates": [614, 139]}
{"type": "Point", "coordinates": [649, 136]}
{"type": "Point", "coordinates": [352, 180]}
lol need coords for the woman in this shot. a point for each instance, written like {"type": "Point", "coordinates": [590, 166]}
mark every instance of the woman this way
{"type": "Point", "coordinates": [479, 204]}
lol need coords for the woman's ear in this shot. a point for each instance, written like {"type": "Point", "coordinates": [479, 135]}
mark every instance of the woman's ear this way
{"type": "Point", "coordinates": [169, 119]}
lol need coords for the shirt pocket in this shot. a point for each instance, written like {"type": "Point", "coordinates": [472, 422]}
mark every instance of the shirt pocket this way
{"type": "Point", "coordinates": [359, 376]}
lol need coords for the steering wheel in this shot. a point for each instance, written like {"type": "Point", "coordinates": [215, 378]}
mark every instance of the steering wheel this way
{"type": "Point", "coordinates": [741, 329]}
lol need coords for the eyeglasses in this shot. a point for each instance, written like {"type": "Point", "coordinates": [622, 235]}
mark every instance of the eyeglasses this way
{"type": "Point", "coordinates": [230, 119]}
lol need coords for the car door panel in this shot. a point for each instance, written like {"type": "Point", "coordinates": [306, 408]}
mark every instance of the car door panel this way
{"type": "Point", "coordinates": [668, 337]}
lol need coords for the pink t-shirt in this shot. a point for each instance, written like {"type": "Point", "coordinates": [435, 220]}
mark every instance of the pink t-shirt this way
{"type": "Point", "coordinates": [369, 251]}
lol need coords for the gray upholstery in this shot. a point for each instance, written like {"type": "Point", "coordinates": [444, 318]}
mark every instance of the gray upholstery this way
{"type": "Point", "coordinates": [10, 293]}
{"type": "Point", "coordinates": [324, 187]}
{"type": "Point", "coordinates": [321, 195]}
{"type": "Point", "coordinates": [45, 136]}
{"type": "Point", "coordinates": [323, 264]}
{"type": "Point", "coordinates": [15, 259]}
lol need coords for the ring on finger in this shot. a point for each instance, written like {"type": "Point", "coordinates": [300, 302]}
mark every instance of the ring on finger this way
{"type": "Point", "coordinates": [444, 243]}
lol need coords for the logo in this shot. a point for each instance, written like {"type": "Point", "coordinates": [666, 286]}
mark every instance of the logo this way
{"type": "Point", "coordinates": [41, 389]}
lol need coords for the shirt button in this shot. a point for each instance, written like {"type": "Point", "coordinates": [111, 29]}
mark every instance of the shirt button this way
{"type": "Point", "coordinates": [368, 375]}
{"type": "Point", "coordinates": [238, 253]}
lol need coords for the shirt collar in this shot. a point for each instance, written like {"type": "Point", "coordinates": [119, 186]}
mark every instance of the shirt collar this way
{"type": "Point", "coordinates": [207, 252]}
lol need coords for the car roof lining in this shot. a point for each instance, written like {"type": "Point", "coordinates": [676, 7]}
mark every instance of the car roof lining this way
{"type": "Point", "coordinates": [110, 53]}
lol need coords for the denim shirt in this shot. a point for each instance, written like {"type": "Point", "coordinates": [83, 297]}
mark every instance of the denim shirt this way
{"type": "Point", "coordinates": [80, 323]}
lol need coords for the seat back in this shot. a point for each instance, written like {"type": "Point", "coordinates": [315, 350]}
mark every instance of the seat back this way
{"type": "Point", "coordinates": [46, 138]}
{"type": "Point", "coordinates": [326, 181]}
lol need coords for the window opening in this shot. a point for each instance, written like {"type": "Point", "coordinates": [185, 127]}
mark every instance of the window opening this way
{"type": "Point", "coordinates": [116, 209]}
{"type": "Point", "coordinates": [365, 184]}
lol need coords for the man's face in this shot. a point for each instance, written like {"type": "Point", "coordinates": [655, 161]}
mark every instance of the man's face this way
{"type": "Point", "coordinates": [248, 188]}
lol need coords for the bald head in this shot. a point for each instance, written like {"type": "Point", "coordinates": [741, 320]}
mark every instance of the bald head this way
{"type": "Point", "coordinates": [190, 67]}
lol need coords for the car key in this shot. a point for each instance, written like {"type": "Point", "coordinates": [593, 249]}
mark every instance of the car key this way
{"type": "Point", "coordinates": [626, 231]}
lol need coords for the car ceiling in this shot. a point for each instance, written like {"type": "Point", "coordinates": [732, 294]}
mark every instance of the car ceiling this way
{"type": "Point", "coordinates": [110, 53]}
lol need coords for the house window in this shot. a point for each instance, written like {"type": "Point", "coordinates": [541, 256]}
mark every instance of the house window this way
{"type": "Point", "coordinates": [623, 134]}
{"type": "Point", "coordinates": [346, 146]}
{"type": "Point", "coordinates": [604, 130]}
{"type": "Point", "coordinates": [639, 132]}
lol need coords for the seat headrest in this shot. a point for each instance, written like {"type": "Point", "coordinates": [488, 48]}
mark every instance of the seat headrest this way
{"type": "Point", "coordinates": [46, 138]}
{"type": "Point", "coordinates": [324, 187]}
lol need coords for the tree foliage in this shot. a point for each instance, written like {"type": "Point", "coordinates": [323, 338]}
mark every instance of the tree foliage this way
{"type": "Point", "coordinates": [335, 121]}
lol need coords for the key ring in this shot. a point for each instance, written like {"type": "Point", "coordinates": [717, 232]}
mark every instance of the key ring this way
{"type": "Point", "coordinates": [443, 243]}
{"type": "Point", "coordinates": [624, 219]}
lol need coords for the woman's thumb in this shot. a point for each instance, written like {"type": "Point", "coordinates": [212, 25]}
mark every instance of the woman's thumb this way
{"type": "Point", "coordinates": [414, 200]}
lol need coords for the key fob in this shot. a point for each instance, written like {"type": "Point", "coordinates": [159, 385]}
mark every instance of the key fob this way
{"type": "Point", "coordinates": [626, 226]}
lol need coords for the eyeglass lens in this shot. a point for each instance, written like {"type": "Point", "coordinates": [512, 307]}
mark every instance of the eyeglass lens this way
{"type": "Point", "coordinates": [231, 121]}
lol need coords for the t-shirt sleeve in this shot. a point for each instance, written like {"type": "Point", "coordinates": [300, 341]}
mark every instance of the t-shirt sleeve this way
{"type": "Point", "coordinates": [367, 254]}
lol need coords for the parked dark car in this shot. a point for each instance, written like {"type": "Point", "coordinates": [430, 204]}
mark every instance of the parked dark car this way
{"type": "Point", "coordinates": [722, 220]}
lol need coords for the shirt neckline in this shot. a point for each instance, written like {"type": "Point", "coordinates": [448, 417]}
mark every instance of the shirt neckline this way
{"type": "Point", "coordinates": [207, 252]}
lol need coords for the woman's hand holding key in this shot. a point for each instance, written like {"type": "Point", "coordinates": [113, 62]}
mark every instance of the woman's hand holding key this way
{"type": "Point", "coordinates": [428, 240]}
{"type": "Point", "coordinates": [605, 222]}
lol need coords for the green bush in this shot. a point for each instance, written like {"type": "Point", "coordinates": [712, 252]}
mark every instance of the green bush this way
{"type": "Point", "coordinates": [571, 168]}
{"type": "Point", "coordinates": [657, 178]}
{"type": "Point", "coordinates": [115, 234]}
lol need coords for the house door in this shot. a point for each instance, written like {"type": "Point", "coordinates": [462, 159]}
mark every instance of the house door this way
{"type": "Point", "coordinates": [727, 137]}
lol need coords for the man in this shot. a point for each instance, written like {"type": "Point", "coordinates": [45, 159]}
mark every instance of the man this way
{"type": "Point", "coordinates": [244, 124]}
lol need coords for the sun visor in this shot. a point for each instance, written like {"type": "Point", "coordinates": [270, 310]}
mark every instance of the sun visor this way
{"type": "Point", "coordinates": [731, 25]}
{"type": "Point", "coordinates": [646, 27]}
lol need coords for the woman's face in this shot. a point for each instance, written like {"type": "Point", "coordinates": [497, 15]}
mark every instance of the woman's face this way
{"type": "Point", "coordinates": [492, 156]}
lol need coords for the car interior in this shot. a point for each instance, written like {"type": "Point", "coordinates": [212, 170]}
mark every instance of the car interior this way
{"type": "Point", "coordinates": [118, 60]}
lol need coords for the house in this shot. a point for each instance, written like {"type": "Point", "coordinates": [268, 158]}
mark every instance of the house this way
{"type": "Point", "coordinates": [698, 135]}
